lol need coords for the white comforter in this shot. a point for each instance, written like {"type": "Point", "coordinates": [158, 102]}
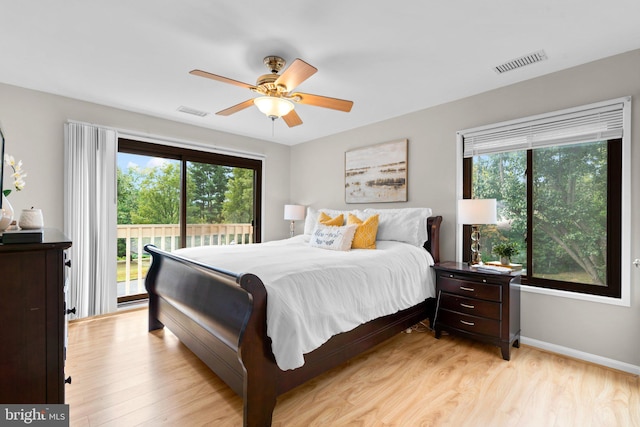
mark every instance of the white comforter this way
{"type": "Point", "coordinates": [316, 293]}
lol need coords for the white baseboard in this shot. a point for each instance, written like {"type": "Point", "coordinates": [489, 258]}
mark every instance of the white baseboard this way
{"type": "Point", "coordinates": [577, 354]}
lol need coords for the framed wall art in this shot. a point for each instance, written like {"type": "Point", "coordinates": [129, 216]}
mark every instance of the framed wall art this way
{"type": "Point", "coordinates": [376, 173]}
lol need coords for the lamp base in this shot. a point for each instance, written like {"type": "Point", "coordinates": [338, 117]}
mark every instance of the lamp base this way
{"type": "Point", "coordinates": [475, 246]}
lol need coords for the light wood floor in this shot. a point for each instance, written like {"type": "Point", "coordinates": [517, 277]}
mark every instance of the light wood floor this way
{"type": "Point", "coordinates": [125, 376]}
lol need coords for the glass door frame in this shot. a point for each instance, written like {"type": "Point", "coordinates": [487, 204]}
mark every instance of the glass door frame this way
{"type": "Point", "coordinates": [185, 155]}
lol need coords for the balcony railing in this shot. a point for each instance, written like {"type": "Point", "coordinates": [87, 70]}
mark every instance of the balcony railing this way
{"type": "Point", "coordinates": [167, 237]}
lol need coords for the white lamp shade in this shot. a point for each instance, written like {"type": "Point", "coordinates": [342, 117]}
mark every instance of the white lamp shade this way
{"type": "Point", "coordinates": [294, 212]}
{"type": "Point", "coordinates": [272, 106]}
{"type": "Point", "coordinates": [477, 211]}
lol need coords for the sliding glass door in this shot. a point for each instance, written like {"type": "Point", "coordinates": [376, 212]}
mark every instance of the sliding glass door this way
{"type": "Point", "coordinates": [175, 198]}
{"type": "Point", "coordinates": [148, 212]}
{"type": "Point", "coordinates": [220, 204]}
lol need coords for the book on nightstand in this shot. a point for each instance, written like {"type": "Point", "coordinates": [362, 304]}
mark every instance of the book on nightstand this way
{"type": "Point", "coordinates": [21, 236]}
{"type": "Point", "coordinates": [512, 267]}
{"type": "Point", "coordinates": [492, 268]}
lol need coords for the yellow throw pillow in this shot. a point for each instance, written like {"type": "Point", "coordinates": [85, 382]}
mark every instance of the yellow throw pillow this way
{"type": "Point", "coordinates": [366, 232]}
{"type": "Point", "coordinates": [325, 219]}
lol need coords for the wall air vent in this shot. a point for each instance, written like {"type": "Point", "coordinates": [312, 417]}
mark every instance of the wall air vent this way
{"type": "Point", "coordinates": [193, 111]}
{"type": "Point", "coordinates": [521, 62]}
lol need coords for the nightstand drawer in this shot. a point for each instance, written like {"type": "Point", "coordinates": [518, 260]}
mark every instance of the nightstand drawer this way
{"type": "Point", "coordinates": [479, 305]}
{"type": "Point", "coordinates": [473, 324]}
{"type": "Point", "coordinates": [470, 289]}
{"type": "Point", "coordinates": [470, 306]}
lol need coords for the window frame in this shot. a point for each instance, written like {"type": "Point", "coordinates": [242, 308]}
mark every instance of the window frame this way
{"type": "Point", "coordinates": [614, 159]}
{"type": "Point", "coordinates": [622, 296]}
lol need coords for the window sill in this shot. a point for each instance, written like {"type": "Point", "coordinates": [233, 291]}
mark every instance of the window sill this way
{"type": "Point", "coordinates": [624, 301]}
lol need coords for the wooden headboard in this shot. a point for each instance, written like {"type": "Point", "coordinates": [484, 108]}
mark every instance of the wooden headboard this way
{"type": "Point", "coordinates": [433, 244]}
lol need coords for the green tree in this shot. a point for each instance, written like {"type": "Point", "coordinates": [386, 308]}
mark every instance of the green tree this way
{"type": "Point", "coordinates": [238, 204]}
{"type": "Point", "coordinates": [570, 209]}
{"type": "Point", "coordinates": [207, 189]}
{"type": "Point", "coordinates": [127, 200]}
{"type": "Point", "coordinates": [127, 194]}
{"type": "Point", "coordinates": [159, 195]}
{"type": "Point", "coordinates": [570, 206]}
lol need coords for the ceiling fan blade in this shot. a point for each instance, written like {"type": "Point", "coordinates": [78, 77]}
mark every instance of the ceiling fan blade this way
{"type": "Point", "coordinates": [323, 101]}
{"type": "Point", "coordinates": [238, 107]}
{"type": "Point", "coordinates": [292, 119]}
{"type": "Point", "coordinates": [221, 79]}
{"type": "Point", "coordinates": [295, 74]}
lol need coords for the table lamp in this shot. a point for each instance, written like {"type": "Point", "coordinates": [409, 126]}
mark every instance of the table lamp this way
{"type": "Point", "coordinates": [474, 212]}
{"type": "Point", "coordinates": [293, 213]}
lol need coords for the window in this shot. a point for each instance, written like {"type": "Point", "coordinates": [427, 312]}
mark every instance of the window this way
{"type": "Point", "coordinates": [176, 197]}
{"type": "Point", "coordinates": [558, 180]}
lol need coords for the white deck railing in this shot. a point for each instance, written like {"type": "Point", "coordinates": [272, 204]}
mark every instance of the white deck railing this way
{"type": "Point", "coordinates": [167, 237]}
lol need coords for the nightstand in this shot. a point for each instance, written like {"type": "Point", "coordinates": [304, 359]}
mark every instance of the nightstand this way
{"type": "Point", "coordinates": [484, 306]}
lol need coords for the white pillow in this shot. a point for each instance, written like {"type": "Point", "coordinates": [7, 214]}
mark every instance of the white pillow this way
{"type": "Point", "coordinates": [311, 219]}
{"type": "Point", "coordinates": [333, 237]}
{"type": "Point", "coordinates": [403, 225]}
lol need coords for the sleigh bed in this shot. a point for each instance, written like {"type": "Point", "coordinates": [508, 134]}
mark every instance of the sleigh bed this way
{"type": "Point", "coordinates": [222, 317]}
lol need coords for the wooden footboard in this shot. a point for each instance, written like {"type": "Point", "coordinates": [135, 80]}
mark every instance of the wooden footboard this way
{"type": "Point", "coordinates": [204, 307]}
{"type": "Point", "coordinates": [222, 317]}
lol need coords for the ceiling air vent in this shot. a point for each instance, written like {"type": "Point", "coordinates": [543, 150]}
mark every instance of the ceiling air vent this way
{"type": "Point", "coordinates": [532, 58]}
{"type": "Point", "coordinates": [193, 111]}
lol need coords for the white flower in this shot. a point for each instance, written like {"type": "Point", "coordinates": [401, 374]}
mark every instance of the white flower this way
{"type": "Point", "coordinates": [19, 184]}
{"type": "Point", "coordinates": [18, 174]}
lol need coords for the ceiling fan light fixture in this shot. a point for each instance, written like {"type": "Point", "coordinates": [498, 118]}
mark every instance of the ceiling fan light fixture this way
{"type": "Point", "coordinates": [273, 107]}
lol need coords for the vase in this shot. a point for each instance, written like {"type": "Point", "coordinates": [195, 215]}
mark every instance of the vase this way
{"type": "Point", "coordinates": [6, 214]}
{"type": "Point", "coordinates": [505, 260]}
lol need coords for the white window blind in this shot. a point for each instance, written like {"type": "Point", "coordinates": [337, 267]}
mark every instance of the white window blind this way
{"type": "Point", "coordinates": [595, 122]}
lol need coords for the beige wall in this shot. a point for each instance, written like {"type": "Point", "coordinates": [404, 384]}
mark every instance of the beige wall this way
{"type": "Point", "coordinates": [317, 172]}
{"type": "Point", "coordinates": [33, 125]}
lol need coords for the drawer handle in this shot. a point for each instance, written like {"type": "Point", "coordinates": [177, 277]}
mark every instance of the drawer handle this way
{"type": "Point", "coordinates": [484, 280]}
{"type": "Point", "coordinates": [467, 323]}
{"type": "Point", "coordinates": [468, 306]}
{"type": "Point", "coordinates": [464, 288]}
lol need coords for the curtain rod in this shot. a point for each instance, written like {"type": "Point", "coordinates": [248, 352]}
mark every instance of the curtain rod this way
{"type": "Point", "coordinates": [183, 143]}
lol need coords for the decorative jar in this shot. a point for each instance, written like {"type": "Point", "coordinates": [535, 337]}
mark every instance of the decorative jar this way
{"type": "Point", "coordinates": [31, 219]}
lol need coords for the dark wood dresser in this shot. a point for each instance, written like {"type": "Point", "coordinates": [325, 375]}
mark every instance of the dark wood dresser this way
{"type": "Point", "coordinates": [480, 305]}
{"type": "Point", "coordinates": [32, 320]}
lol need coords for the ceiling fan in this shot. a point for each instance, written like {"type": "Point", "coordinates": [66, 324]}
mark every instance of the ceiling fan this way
{"type": "Point", "coordinates": [276, 90]}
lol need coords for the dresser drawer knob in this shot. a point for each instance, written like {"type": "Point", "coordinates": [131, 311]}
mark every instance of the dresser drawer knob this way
{"type": "Point", "coordinates": [464, 288]}
{"type": "Point", "coordinates": [484, 280]}
{"type": "Point", "coordinates": [451, 275]}
{"type": "Point", "coordinates": [464, 322]}
{"type": "Point", "coordinates": [468, 306]}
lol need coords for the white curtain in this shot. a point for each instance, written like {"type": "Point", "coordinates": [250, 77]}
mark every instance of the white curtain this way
{"type": "Point", "coordinates": [90, 218]}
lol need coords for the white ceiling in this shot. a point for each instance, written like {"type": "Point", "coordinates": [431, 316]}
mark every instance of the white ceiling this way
{"type": "Point", "coordinates": [390, 58]}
